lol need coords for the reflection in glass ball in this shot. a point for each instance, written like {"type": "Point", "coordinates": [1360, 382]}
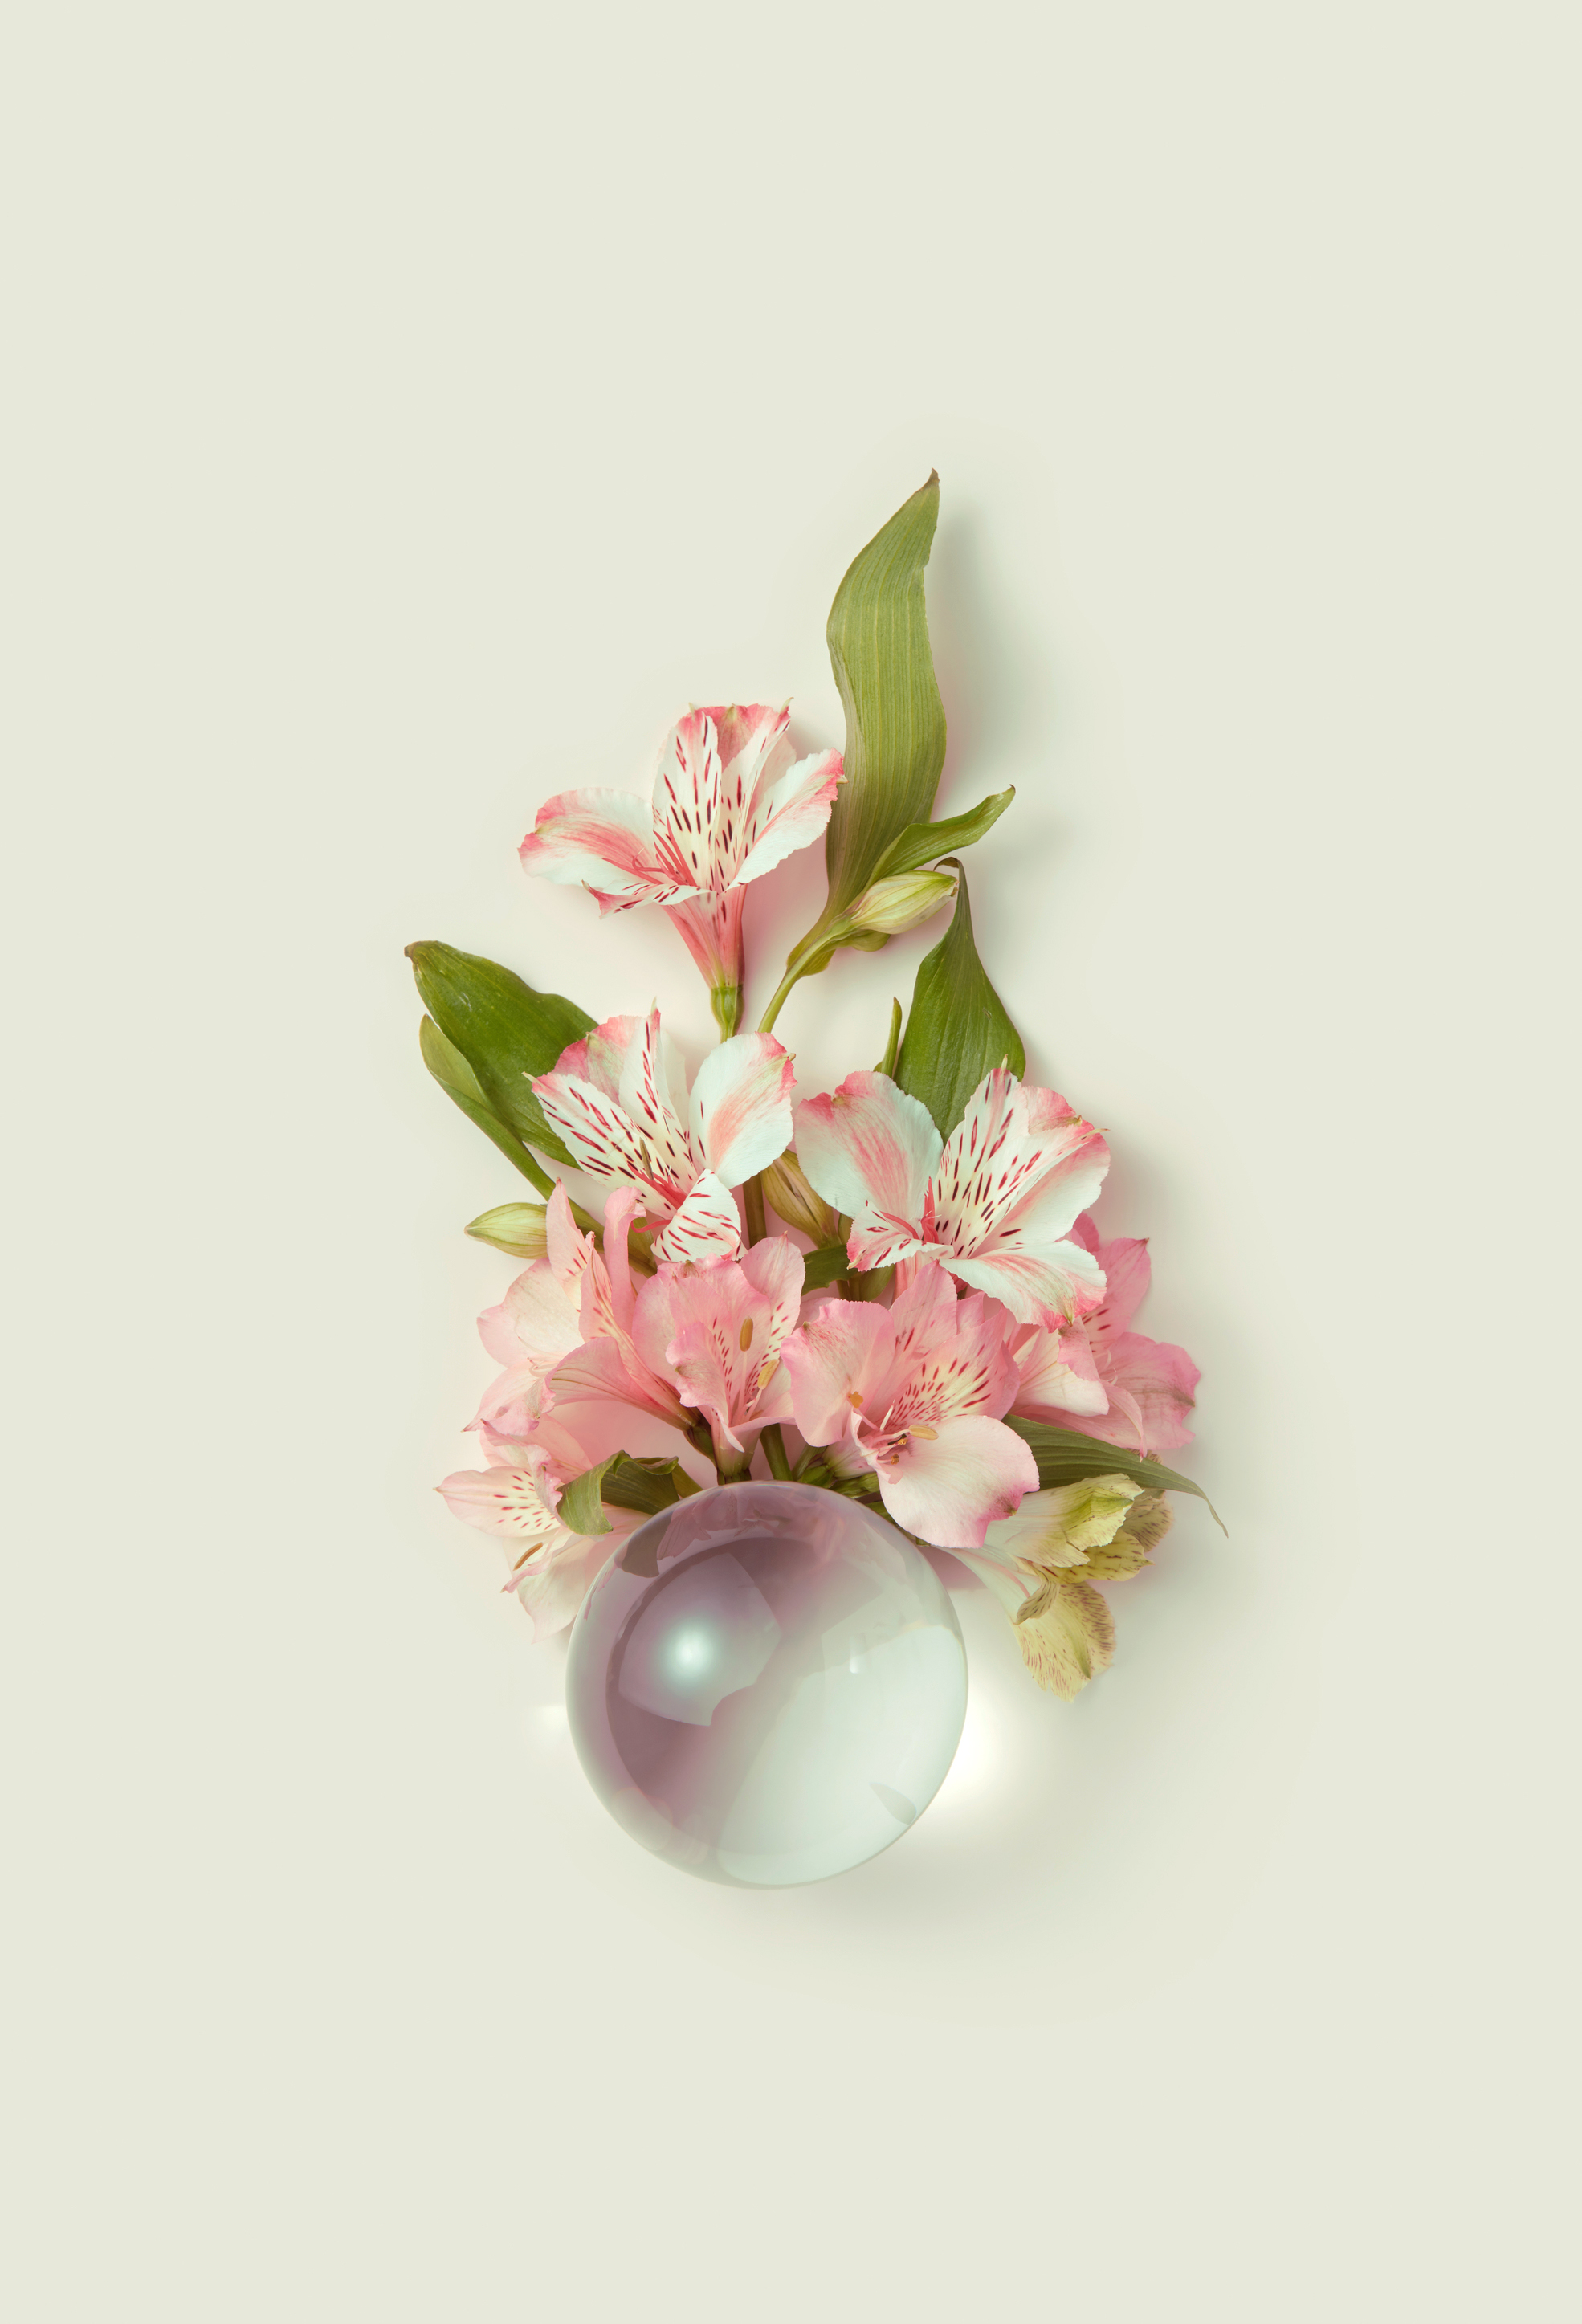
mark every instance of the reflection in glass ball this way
{"type": "Point", "coordinates": [767, 1684]}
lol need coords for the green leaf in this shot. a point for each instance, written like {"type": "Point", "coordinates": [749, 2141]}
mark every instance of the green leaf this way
{"type": "Point", "coordinates": [581, 1504]}
{"type": "Point", "coordinates": [821, 1268]}
{"type": "Point", "coordinates": [1064, 1456]}
{"type": "Point", "coordinates": [895, 719]}
{"type": "Point", "coordinates": [925, 843]}
{"type": "Point", "coordinates": [957, 1029]}
{"type": "Point", "coordinates": [506, 1032]}
{"type": "Point", "coordinates": [451, 1070]}
{"type": "Point", "coordinates": [887, 1063]}
{"type": "Point", "coordinates": [623, 1483]}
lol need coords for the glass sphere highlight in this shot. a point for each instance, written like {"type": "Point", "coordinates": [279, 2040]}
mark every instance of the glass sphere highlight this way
{"type": "Point", "coordinates": [767, 1683]}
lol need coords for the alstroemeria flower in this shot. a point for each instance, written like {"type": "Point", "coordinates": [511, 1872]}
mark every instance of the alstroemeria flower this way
{"type": "Point", "coordinates": [619, 1099]}
{"type": "Point", "coordinates": [915, 1393]}
{"type": "Point", "coordinates": [1095, 1375]}
{"type": "Point", "coordinates": [516, 1499]}
{"type": "Point", "coordinates": [729, 803]}
{"type": "Point", "coordinates": [718, 1331]}
{"type": "Point", "coordinates": [994, 1202]}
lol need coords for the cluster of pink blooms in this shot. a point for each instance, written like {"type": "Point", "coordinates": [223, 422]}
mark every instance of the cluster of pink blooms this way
{"type": "Point", "coordinates": [996, 1295]}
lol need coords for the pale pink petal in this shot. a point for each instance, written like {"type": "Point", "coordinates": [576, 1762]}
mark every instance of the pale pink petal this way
{"type": "Point", "coordinates": [537, 1322]}
{"type": "Point", "coordinates": [599, 1056]}
{"type": "Point", "coordinates": [566, 1246]}
{"type": "Point", "coordinates": [1126, 1272]}
{"type": "Point", "coordinates": [1043, 1285]}
{"type": "Point", "coordinates": [602, 1371]}
{"type": "Point", "coordinates": [949, 1488]}
{"type": "Point", "coordinates": [749, 732]}
{"type": "Point", "coordinates": [950, 1356]}
{"type": "Point", "coordinates": [552, 1588]}
{"type": "Point", "coordinates": [741, 1106]}
{"type": "Point", "coordinates": [706, 1225]}
{"type": "Point", "coordinates": [600, 839]}
{"type": "Point", "coordinates": [1057, 1375]}
{"type": "Point", "coordinates": [832, 1363]}
{"type": "Point", "coordinates": [869, 1148]}
{"type": "Point", "coordinates": [1158, 1381]}
{"type": "Point", "coordinates": [513, 1501]}
{"type": "Point", "coordinates": [1073, 1168]}
{"type": "Point", "coordinates": [789, 812]}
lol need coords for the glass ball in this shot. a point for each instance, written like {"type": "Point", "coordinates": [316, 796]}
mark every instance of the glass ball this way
{"type": "Point", "coordinates": [766, 1684]}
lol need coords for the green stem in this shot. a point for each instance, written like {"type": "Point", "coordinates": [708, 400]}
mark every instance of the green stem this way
{"type": "Point", "coordinates": [752, 1195]}
{"type": "Point", "coordinates": [774, 1453]}
{"type": "Point", "coordinates": [766, 1021]}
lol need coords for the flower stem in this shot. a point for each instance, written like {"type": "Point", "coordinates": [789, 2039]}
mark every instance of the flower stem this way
{"type": "Point", "coordinates": [774, 1453]}
{"type": "Point", "coordinates": [752, 1195]}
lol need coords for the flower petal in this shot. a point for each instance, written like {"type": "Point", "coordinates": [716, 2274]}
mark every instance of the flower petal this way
{"type": "Point", "coordinates": [950, 1488]}
{"type": "Point", "coordinates": [1158, 1381]}
{"type": "Point", "coordinates": [741, 1106]}
{"type": "Point", "coordinates": [1057, 1375]}
{"type": "Point", "coordinates": [599, 839]}
{"type": "Point", "coordinates": [1067, 1636]}
{"type": "Point", "coordinates": [706, 1225]}
{"type": "Point", "coordinates": [789, 812]}
{"type": "Point", "coordinates": [651, 1081]}
{"type": "Point", "coordinates": [833, 1360]}
{"type": "Point", "coordinates": [869, 1148]}
{"type": "Point", "coordinates": [513, 1500]}
{"type": "Point", "coordinates": [1046, 1286]}
{"type": "Point", "coordinates": [686, 804]}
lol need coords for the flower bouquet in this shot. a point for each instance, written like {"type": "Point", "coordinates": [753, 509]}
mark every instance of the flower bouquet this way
{"type": "Point", "coordinates": [890, 1300]}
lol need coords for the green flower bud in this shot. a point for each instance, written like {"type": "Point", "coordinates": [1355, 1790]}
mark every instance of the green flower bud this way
{"type": "Point", "coordinates": [515, 1227]}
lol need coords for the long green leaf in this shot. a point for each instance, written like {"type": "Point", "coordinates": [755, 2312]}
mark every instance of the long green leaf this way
{"type": "Point", "coordinates": [895, 719]}
{"type": "Point", "coordinates": [1064, 1456]}
{"type": "Point", "coordinates": [957, 1029]}
{"type": "Point", "coordinates": [506, 1032]}
{"type": "Point", "coordinates": [925, 843]}
{"type": "Point", "coordinates": [456, 1078]}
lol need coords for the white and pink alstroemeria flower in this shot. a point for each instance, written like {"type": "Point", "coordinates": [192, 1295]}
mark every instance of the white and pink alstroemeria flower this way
{"type": "Point", "coordinates": [731, 801]}
{"type": "Point", "coordinates": [994, 1202]}
{"type": "Point", "coordinates": [517, 1499]}
{"type": "Point", "coordinates": [915, 1394]}
{"type": "Point", "coordinates": [1099, 1378]}
{"type": "Point", "coordinates": [619, 1099]}
{"type": "Point", "coordinates": [717, 1331]}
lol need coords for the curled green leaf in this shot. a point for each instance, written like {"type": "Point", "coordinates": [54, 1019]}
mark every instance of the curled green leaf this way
{"type": "Point", "coordinates": [925, 843]}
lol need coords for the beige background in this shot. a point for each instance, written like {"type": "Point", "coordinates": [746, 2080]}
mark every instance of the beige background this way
{"type": "Point", "coordinates": [409, 408]}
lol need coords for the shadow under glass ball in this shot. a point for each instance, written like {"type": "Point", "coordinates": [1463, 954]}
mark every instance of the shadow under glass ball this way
{"type": "Point", "coordinates": [767, 1684]}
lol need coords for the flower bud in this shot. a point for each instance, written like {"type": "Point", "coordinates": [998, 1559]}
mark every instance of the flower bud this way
{"type": "Point", "coordinates": [892, 905]}
{"type": "Point", "coordinates": [791, 1197]}
{"type": "Point", "coordinates": [515, 1227]}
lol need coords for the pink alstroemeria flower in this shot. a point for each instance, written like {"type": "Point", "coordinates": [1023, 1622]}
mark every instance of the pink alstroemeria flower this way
{"type": "Point", "coordinates": [729, 803]}
{"type": "Point", "coordinates": [1099, 1378]}
{"type": "Point", "coordinates": [717, 1331]}
{"type": "Point", "coordinates": [914, 1392]}
{"type": "Point", "coordinates": [619, 1099]}
{"type": "Point", "coordinates": [994, 1202]}
{"type": "Point", "coordinates": [516, 1499]}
